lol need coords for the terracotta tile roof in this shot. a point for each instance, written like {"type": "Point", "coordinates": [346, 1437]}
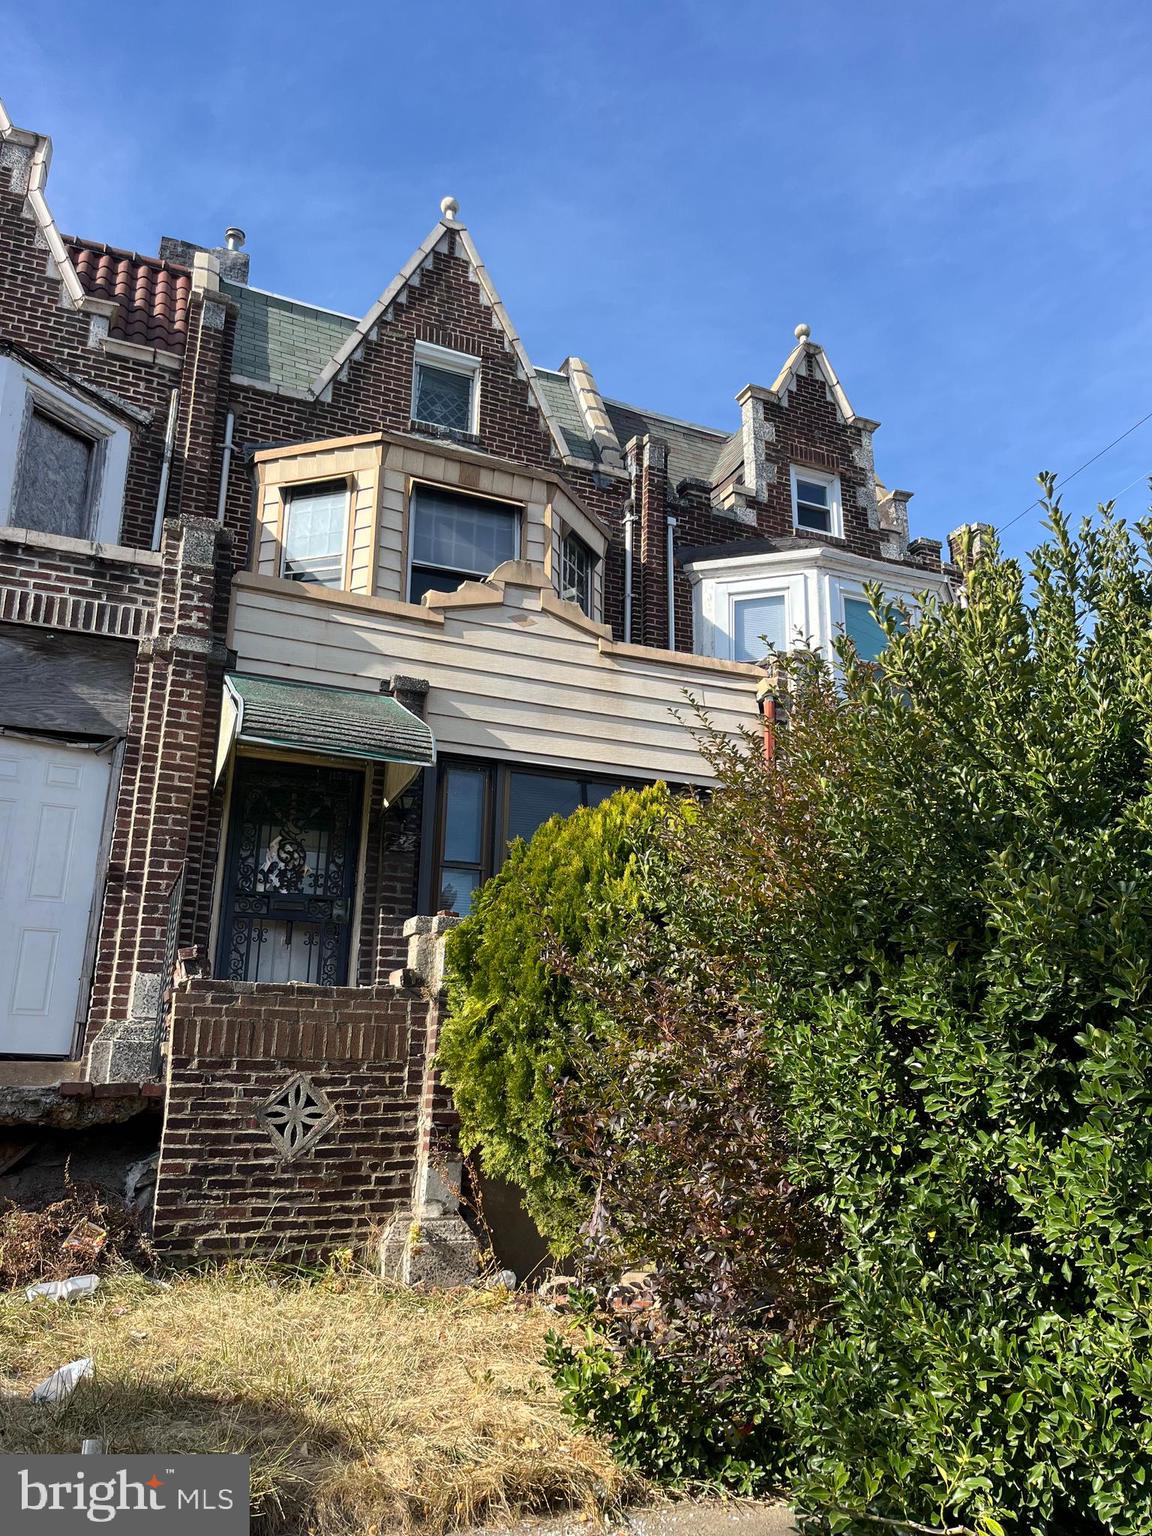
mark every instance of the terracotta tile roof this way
{"type": "Point", "coordinates": [152, 294]}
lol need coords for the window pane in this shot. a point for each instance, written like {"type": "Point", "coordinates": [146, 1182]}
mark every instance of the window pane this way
{"type": "Point", "coordinates": [534, 797]}
{"type": "Point", "coordinates": [462, 534]}
{"type": "Point", "coordinates": [55, 475]}
{"type": "Point", "coordinates": [444, 398]}
{"type": "Point", "coordinates": [424, 580]}
{"type": "Point", "coordinates": [457, 887]}
{"type": "Point", "coordinates": [813, 517]}
{"type": "Point", "coordinates": [862, 629]}
{"type": "Point", "coordinates": [576, 563]}
{"type": "Point", "coordinates": [756, 620]}
{"type": "Point", "coordinates": [315, 518]}
{"type": "Point", "coordinates": [464, 797]}
{"type": "Point", "coordinates": [812, 491]}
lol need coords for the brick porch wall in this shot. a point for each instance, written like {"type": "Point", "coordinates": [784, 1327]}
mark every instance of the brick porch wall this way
{"type": "Point", "coordinates": [224, 1190]}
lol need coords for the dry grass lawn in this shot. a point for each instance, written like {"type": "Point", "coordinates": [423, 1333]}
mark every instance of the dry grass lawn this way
{"type": "Point", "coordinates": [364, 1408]}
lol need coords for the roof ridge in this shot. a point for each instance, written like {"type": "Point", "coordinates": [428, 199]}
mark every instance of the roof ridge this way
{"type": "Point", "coordinates": [676, 421]}
{"type": "Point", "coordinates": [286, 298]}
{"type": "Point", "coordinates": [161, 263]}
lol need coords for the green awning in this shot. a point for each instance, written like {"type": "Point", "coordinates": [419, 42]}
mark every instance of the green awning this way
{"type": "Point", "coordinates": [325, 722]}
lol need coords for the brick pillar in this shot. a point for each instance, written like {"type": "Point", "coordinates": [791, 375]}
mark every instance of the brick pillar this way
{"type": "Point", "coordinates": [431, 1244]}
{"type": "Point", "coordinates": [176, 686]}
{"type": "Point", "coordinates": [650, 625]}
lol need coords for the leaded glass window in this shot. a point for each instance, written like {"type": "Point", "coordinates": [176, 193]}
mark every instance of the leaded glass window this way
{"type": "Point", "coordinates": [315, 527]}
{"type": "Point", "coordinates": [443, 397]}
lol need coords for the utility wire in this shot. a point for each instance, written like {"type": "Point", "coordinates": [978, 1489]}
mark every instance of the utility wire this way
{"type": "Point", "coordinates": [1066, 478]}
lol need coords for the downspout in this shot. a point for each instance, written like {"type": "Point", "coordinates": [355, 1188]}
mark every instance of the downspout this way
{"type": "Point", "coordinates": [670, 530]}
{"type": "Point", "coordinates": [165, 468]}
{"type": "Point", "coordinates": [629, 524]}
{"type": "Point", "coordinates": [225, 465]}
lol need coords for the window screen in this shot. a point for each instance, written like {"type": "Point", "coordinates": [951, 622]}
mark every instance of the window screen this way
{"type": "Point", "coordinates": [759, 625]}
{"type": "Point", "coordinates": [443, 397]}
{"type": "Point", "coordinates": [54, 487]}
{"type": "Point", "coordinates": [458, 538]}
{"type": "Point", "coordinates": [315, 521]}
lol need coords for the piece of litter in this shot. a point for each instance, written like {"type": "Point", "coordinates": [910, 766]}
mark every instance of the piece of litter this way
{"type": "Point", "coordinates": [64, 1290]}
{"type": "Point", "coordinates": [86, 1234]}
{"type": "Point", "coordinates": [62, 1382]}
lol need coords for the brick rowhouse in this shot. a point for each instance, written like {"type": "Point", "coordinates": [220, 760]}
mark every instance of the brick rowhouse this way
{"type": "Point", "coordinates": [202, 373]}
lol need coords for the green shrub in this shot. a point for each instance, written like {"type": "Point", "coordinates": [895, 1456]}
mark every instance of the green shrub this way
{"type": "Point", "coordinates": [934, 915]}
{"type": "Point", "coordinates": [516, 1025]}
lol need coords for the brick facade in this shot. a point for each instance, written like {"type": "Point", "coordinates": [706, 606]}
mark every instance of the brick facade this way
{"type": "Point", "coordinates": [225, 1189]}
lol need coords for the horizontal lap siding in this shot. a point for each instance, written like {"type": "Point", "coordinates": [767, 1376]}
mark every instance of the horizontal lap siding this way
{"type": "Point", "coordinates": [505, 682]}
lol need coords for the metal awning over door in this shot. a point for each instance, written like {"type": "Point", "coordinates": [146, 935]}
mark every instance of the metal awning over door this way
{"type": "Point", "coordinates": [322, 721]}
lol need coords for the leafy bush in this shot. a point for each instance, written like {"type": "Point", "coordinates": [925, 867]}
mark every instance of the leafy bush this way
{"type": "Point", "coordinates": [516, 1024]}
{"type": "Point", "coordinates": [932, 915]}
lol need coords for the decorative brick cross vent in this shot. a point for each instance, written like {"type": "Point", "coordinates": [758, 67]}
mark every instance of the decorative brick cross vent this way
{"type": "Point", "coordinates": [297, 1116]}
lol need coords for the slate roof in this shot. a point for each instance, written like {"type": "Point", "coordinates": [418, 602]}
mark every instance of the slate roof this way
{"type": "Point", "coordinates": [692, 450]}
{"type": "Point", "coordinates": [281, 341]}
{"type": "Point", "coordinates": [343, 722]}
{"type": "Point", "coordinates": [558, 392]}
{"type": "Point", "coordinates": [152, 294]}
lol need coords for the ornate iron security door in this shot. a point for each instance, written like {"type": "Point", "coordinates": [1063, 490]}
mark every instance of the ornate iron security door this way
{"type": "Point", "coordinates": [290, 879]}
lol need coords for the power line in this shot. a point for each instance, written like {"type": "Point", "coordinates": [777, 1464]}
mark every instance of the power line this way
{"type": "Point", "coordinates": [1064, 481]}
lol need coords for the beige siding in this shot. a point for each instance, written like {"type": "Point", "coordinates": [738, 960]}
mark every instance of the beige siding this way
{"type": "Point", "coordinates": [508, 679]}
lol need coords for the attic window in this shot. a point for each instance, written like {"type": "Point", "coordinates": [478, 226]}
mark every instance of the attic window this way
{"type": "Point", "coordinates": [445, 388]}
{"type": "Point", "coordinates": [816, 502]}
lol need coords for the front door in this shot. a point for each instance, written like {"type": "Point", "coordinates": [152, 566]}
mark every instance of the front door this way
{"type": "Point", "coordinates": [52, 804]}
{"type": "Point", "coordinates": [290, 873]}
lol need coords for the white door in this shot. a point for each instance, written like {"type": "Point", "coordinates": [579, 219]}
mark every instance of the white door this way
{"type": "Point", "coordinates": [52, 801]}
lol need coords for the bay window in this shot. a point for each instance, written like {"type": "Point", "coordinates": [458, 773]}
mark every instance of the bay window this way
{"type": "Point", "coordinates": [315, 528]}
{"type": "Point", "coordinates": [455, 538]}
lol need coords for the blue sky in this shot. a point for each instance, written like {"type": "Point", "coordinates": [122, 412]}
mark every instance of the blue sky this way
{"type": "Point", "coordinates": [956, 198]}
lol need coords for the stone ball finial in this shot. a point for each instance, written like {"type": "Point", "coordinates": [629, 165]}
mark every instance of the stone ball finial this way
{"type": "Point", "coordinates": [802, 332]}
{"type": "Point", "coordinates": [449, 207]}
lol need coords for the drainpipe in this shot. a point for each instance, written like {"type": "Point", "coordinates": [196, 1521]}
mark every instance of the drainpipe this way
{"type": "Point", "coordinates": [165, 468]}
{"type": "Point", "coordinates": [671, 537]}
{"type": "Point", "coordinates": [226, 463]}
{"type": "Point", "coordinates": [629, 523]}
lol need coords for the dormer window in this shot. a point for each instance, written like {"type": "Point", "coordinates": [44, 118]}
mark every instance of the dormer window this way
{"type": "Point", "coordinates": [445, 389]}
{"type": "Point", "coordinates": [816, 501]}
{"type": "Point", "coordinates": [315, 527]}
{"type": "Point", "coordinates": [577, 565]}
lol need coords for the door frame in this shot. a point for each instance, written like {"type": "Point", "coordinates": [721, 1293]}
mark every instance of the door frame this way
{"type": "Point", "coordinates": [357, 836]}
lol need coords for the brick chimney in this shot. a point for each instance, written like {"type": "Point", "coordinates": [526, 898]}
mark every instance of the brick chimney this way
{"type": "Point", "coordinates": [232, 258]}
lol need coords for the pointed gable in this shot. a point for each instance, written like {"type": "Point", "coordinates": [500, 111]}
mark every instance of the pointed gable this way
{"type": "Point", "coordinates": [467, 317]}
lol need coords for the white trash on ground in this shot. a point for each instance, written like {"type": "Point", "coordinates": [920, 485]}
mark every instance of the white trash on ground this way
{"type": "Point", "coordinates": [62, 1382]}
{"type": "Point", "coordinates": [64, 1290]}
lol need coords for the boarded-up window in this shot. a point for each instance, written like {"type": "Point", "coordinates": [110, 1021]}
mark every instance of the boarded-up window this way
{"type": "Point", "coordinates": [54, 489]}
